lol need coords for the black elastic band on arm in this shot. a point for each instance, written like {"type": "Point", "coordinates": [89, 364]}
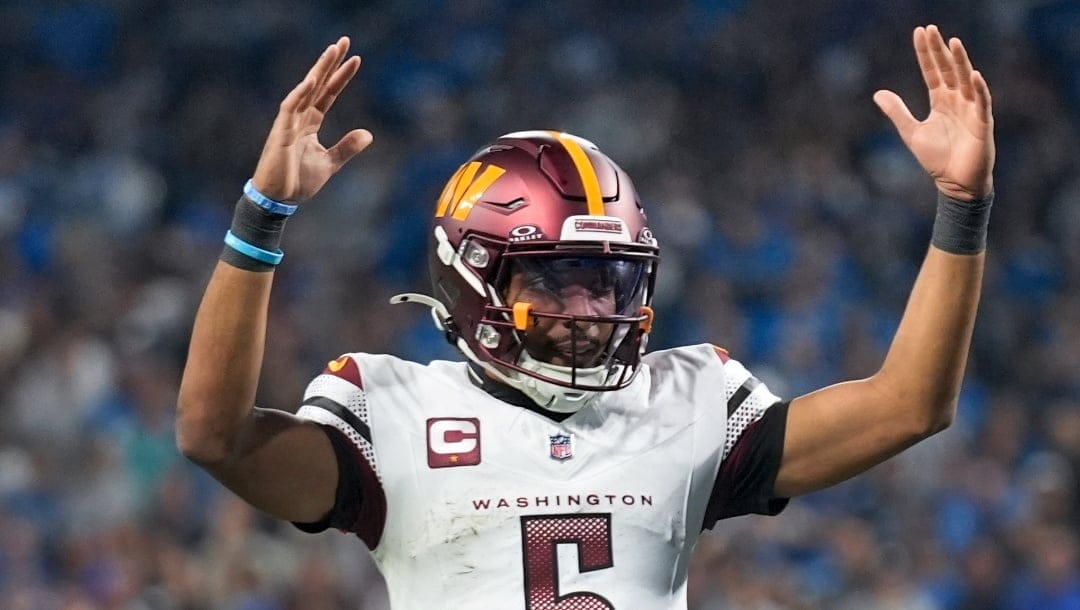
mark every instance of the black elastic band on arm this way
{"type": "Point", "coordinates": [257, 227]}
{"type": "Point", "coordinates": [960, 226]}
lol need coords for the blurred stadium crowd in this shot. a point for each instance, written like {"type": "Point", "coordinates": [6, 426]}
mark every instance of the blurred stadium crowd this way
{"type": "Point", "coordinates": [791, 219]}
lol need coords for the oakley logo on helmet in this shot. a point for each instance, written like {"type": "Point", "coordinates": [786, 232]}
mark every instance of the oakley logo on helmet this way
{"type": "Point", "coordinates": [525, 233]}
{"type": "Point", "coordinates": [465, 188]}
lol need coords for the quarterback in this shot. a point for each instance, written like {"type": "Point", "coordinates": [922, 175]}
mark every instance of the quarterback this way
{"type": "Point", "coordinates": [561, 465]}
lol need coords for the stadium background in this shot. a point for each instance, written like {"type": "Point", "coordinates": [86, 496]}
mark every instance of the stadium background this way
{"type": "Point", "coordinates": [792, 221]}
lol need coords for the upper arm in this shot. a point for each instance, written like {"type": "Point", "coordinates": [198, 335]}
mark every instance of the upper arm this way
{"type": "Point", "coordinates": [281, 464]}
{"type": "Point", "coordinates": [275, 461]}
{"type": "Point", "coordinates": [317, 468]}
{"type": "Point", "coordinates": [839, 431]}
{"type": "Point", "coordinates": [287, 465]}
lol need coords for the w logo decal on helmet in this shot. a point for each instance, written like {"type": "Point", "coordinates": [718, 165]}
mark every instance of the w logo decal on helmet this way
{"type": "Point", "coordinates": [464, 189]}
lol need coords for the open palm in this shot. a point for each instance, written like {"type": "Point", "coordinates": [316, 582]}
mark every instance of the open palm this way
{"type": "Point", "coordinates": [955, 143]}
{"type": "Point", "coordinates": [294, 165]}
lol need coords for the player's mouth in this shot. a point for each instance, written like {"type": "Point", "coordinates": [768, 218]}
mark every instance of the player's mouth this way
{"type": "Point", "coordinates": [580, 353]}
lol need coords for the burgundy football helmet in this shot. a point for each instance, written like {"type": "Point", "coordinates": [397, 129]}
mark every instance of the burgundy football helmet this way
{"type": "Point", "coordinates": [551, 208]}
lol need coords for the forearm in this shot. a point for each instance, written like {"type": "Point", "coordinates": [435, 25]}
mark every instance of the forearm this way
{"type": "Point", "coordinates": [839, 431]}
{"type": "Point", "coordinates": [217, 392]}
{"type": "Point", "coordinates": [925, 364]}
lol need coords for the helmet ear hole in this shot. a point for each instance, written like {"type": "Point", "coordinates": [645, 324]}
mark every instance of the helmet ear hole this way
{"type": "Point", "coordinates": [476, 255]}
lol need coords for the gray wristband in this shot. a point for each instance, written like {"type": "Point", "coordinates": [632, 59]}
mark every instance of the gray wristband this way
{"type": "Point", "coordinates": [960, 226]}
{"type": "Point", "coordinates": [257, 227]}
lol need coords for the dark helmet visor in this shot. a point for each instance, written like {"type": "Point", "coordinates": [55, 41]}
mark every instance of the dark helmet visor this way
{"type": "Point", "coordinates": [622, 280]}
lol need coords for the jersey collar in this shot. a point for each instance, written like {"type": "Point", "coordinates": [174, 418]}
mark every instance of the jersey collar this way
{"type": "Point", "coordinates": [507, 394]}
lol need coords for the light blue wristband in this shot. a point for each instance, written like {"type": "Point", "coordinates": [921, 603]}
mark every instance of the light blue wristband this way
{"type": "Point", "coordinates": [254, 252]}
{"type": "Point", "coordinates": [266, 203]}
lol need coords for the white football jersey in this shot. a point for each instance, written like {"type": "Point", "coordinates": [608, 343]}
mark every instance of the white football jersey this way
{"type": "Point", "coordinates": [467, 501]}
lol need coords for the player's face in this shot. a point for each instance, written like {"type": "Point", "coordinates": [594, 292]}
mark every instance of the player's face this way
{"type": "Point", "coordinates": [577, 287]}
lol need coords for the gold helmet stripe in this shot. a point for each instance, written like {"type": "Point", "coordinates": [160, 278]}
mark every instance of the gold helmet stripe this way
{"type": "Point", "coordinates": [593, 199]}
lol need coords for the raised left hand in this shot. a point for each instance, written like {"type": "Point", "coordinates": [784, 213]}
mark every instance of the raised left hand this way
{"type": "Point", "coordinates": [955, 143]}
{"type": "Point", "coordinates": [294, 165]}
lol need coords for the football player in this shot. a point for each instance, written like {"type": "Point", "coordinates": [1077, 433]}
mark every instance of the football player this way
{"type": "Point", "coordinates": [561, 466]}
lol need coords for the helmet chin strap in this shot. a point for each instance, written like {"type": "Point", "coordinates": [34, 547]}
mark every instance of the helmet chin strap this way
{"type": "Point", "coordinates": [553, 397]}
{"type": "Point", "coordinates": [547, 395]}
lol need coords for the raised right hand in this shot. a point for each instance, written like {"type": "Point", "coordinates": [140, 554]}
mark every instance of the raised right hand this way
{"type": "Point", "coordinates": [294, 165]}
{"type": "Point", "coordinates": [955, 143]}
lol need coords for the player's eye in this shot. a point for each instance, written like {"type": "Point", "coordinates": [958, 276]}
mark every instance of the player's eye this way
{"type": "Point", "coordinates": [539, 284]}
{"type": "Point", "coordinates": [601, 288]}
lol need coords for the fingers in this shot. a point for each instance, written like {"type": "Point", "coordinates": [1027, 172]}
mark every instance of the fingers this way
{"type": "Point", "coordinates": [898, 112]}
{"type": "Point", "coordinates": [926, 61]}
{"type": "Point", "coordinates": [963, 68]}
{"type": "Point", "coordinates": [323, 68]}
{"type": "Point", "coordinates": [951, 65]}
{"type": "Point", "coordinates": [982, 91]}
{"type": "Point", "coordinates": [334, 54]}
{"type": "Point", "coordinates": [348, 146]}
{"type": "Point", "coordinates": [298, 94]}
{"type": "Point", "coordinates": [300, 98]}
{"type": "Point", "coordinates": [941, 56]}
{"type": "Point", "coordinates": [334, 86]}
{"type": "Point", "coordinates": [321, 85]}
{"type": "Point", "coordinates": [314, 75]}
{"type": "Point", "coordinates": [321, 72]}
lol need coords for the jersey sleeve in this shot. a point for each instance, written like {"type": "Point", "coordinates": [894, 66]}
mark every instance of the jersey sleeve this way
{"type": "Point", "coordinates": [336, 400]}
{"type": "Point", "coordinates": [753, 447]}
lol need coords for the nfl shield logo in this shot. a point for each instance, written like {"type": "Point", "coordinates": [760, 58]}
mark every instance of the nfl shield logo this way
{"type": "Point", "coordinates": [562, 446]}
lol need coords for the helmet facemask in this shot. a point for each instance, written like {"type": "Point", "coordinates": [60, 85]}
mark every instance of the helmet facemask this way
{"type": "Point", "coordinates": [578, 308]}
{"type": "Point", "coordinates": [576, 323]}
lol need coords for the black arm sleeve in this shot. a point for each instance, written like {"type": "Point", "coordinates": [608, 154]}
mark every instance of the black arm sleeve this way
{"type": "Point", "coordinates": [744, 484]}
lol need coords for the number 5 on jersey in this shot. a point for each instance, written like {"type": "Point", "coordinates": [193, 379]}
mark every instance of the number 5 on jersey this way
{"type": "Point", "coordinates": [540, 537]}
